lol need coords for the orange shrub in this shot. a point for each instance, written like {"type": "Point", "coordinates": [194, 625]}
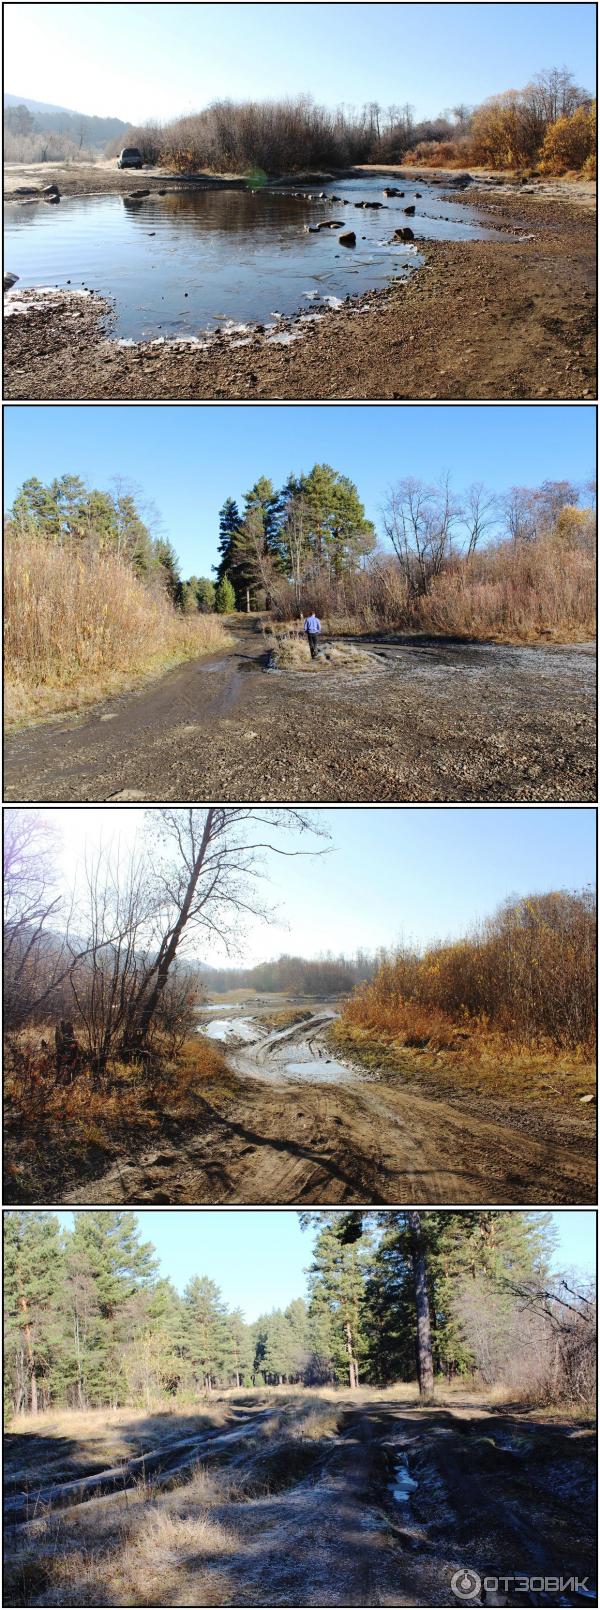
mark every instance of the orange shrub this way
{"type": "Point", "coordinates": [570, 143]}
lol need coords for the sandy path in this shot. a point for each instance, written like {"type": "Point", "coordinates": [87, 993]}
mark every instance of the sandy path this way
{"type": "Point", "coordinates": [292, 1138]}
{"type": "Point", "coordinates": [430, 721]}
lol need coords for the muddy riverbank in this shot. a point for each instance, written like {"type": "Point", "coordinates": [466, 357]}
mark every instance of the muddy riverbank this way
{"type": "Point", "coordinates": [428, 720]}
{"type": "Point", "coordinates": [489, 318]}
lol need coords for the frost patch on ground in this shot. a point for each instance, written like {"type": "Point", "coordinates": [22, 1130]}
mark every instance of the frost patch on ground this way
{"type": "Point", "coordinates": [21, 301]}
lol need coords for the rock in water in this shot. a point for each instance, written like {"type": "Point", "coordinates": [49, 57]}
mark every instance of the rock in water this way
{"type": "Point", "coordinates": [409, 211]}
{"type": "Point", "coordinates": [348, 238]}
{"type": "Point", "coordinates": [404, 234]}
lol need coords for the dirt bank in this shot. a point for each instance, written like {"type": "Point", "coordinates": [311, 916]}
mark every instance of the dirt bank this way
{"type": "Point", "coordinates": [305, 1125]}
{"type": "Point", "coordinates": [320, 1520]}
{"type": "Point", "coordinates": [105, 178]}
{"type": "Point", "coordinates": [488, 319]}
{"type": "Point", "coordinates": [430, 721]}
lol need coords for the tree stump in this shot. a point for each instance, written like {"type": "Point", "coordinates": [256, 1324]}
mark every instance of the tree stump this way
{"type": "Point", "coordinates": [68, 1051]}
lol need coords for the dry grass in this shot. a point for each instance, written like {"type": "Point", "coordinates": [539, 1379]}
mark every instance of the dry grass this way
{"type": "Point", "coordinates": [77, 628]}
{"type": "Point", "coordinates": [55, 1129]}
{"type": "Point", "coordinates": [527, 974]}
{"type": "Point", "coordinates": [453, 1061]}
{"type": "Point", "coordinates": [288, 1017]}
{"type": "Point", "coordinates": [290, 652]}
{"type": "Point", "coordinates": [542, 590]}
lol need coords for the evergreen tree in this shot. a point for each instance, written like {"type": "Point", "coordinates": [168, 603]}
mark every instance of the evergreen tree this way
{"type": "Point", "coordinates": [206, 1342]}
{"type": "Point", "coordinates": [35, 510]}
{"type": "Point", "coordinates": [229, 524]}
{"type": "Point", "coordinates": [33, 1272]}
{"type": "Point", "coordinates": [338, 533]}
{"type": "Point", "coordinates": [205, 594]}
{"type": "Point", "coordinates": [224, 597]}
{"type": "Point", "coordinates": [337, 1291]}
{"type": "Point", "coordinates": [168, 566]}
{"type": "Point", "coordinates": [107, 1266]}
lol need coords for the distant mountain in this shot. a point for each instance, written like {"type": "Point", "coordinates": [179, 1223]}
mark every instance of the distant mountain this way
{"type": "Point", "coordinates": [50, 119]}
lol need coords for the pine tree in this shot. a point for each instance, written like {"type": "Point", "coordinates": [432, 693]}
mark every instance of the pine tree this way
{"type": "Point", "coordinates": [337, 531]}
{"type": "Point", "coordinates": [33, 1271]}
{"type": "Point", "coordinates": [224, 597]}
{"type": "Point", "coordinates": [108, 1266]}
{"type": "Point", "coordinates": [205, 1331]}
{"type": "Point", "coordinates": [337, 1289]}
{"type": "Point", "coordinates": [229, 524]}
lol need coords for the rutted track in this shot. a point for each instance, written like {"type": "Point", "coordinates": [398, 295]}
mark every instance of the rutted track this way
{"type": "Point", "coordinates": [318, 1521]}
{"type": "Point", "coordinates": [339, 1137]}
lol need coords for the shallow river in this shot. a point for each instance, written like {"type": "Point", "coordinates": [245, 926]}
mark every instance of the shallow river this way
{"type": "Point", "coordinates": [187, 262]}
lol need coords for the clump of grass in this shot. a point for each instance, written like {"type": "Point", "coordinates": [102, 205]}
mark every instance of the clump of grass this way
{"type": "Point", "coordinates": [290, 652]}
{"type": "Point", "coordinates": [288, 1017]}
{"type": "Point", "coordinates": [77, 629]}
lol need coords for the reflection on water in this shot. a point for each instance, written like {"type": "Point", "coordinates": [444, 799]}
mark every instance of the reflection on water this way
{"type": "Point", "coordinates": [191, 261]}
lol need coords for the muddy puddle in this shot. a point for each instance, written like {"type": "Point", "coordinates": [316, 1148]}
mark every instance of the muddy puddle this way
{"type": "Point", "coordinates": [297, 1054]}
{"type": "Point", "coordinates": [403, 1484]}
{"type": "Point", "coordinates": [184, 263]}
{"type": "Point", "coordinates": [320, 1070]}
{"type": "Point", "coordinates": [230, 1028]}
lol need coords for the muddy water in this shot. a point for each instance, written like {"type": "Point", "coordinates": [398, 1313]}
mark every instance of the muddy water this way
{"type": "Point", "coordinates": [320, 1070]}
{"type": "Point", "coordinates": [297, 1054]}
{"type": "Point", "coordinates": [403, 1485]}
{"type": "Point", "coordinates": [232, 1029]}
{"type": "Point", "coordinates": [193, 261]}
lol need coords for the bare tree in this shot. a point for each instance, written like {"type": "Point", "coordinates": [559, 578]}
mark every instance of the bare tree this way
{"type": "Point", "coordinates": [419, 521]}
{"type": "Point", "coordinates": [116, 908]}
{"type": "Point", "coordinates": [205, 868]}
{"type": "Point", "coordinates": [30, 901]}
{"type": "Point", "coordinates": [479, 514]}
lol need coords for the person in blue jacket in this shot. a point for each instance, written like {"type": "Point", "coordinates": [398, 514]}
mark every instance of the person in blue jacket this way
{"type": "Point", "coordinates": [312, 627]}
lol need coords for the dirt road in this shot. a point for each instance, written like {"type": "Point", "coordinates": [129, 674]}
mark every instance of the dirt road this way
{"type": "Point", "coordinates": [427, 720]}
{"type": "Point", "coordinates": [386, 1503]}
{"type": "Point", "coordinates": [307, 1128]}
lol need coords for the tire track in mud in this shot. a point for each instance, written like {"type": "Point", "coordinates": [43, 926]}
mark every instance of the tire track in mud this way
{"type": "Point", "coordinates": [319, 1139]}
{"type": "Point", "coordinates": [447, 721]}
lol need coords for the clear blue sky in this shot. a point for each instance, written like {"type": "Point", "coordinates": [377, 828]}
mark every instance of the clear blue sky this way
{"type": "Point", "coordinates": [413, 873]}
{"type": "Point", "coordinates": [140, 61]}
{"type": "Point", "coordinates": [187, 460]}
{"type": "Point", "coordinates": [259, 1259]}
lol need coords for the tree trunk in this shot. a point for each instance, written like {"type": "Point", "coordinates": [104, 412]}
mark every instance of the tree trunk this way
{"type": "Point", "coordinates": [142, 1019]}
{"type": "Point", "coordinates": [352, 1364]}
{"type": "Point", "coordinates": [30, 1356]}
{"type": "Point", "coordinates": [424, 1348]}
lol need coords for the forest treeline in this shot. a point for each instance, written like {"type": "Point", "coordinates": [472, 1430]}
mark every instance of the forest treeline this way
{"type": "Point", "coordinates": [90, 1322]}
{"type": "Point", "coordinates": [56, 136]}
{"type": "Point", "coordinates": [518, 567]}
{"type": "Point", "coordinates": [549, 124]}
{"type": "Point", "coordinates": [295, 975]}
{"type": "Point", "coordinates": [528, 974]}
{"type": "Point", "coordinates": [93, 596]}
{"type": "Point", "coordinates": [520, 564]}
